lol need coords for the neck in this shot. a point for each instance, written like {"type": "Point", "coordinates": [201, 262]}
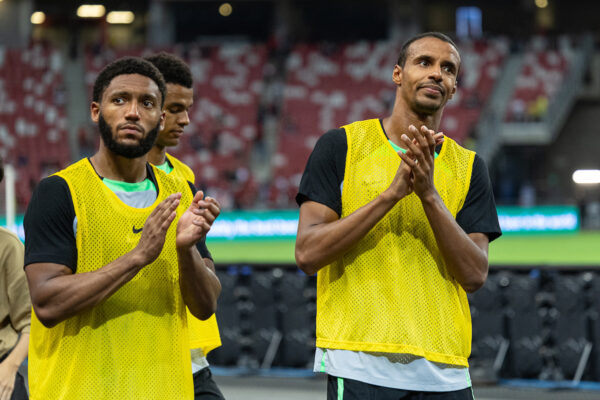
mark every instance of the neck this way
{"type": "Point", "coordinates": [118, 168]}
{"type": "Point", "coordinates": [403, 116]}
{"type": "Point", "coordinates": [157, 155]}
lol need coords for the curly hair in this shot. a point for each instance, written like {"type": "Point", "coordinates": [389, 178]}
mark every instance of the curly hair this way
{"type": "Point", "coordinates": [406, 45]}
{"type": "Point", "coordinates": [173, 69]}
{"type": "Point", "coordinates": [126, 66]}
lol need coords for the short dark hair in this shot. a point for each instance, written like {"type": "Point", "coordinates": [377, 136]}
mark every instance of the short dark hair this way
{"type": "Point", "coordinates": [126, 66]}
{"type": "Point", "coordinates": [1, 169]}
{"type": "Point", "coordinates": [406, 45]}
{"type": "Point", "coordinates": [172, 68]}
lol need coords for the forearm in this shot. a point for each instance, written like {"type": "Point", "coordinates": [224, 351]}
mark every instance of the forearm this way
{"type": "Point", "coordinates": [200, 286]}
{"type": "Point", "coordinates": [19, 352]}
{"type": "Point", "coordinates": [320, 244]}
{"type": "Point", "coordinates": [62, 296]}
{"type": "Point", "coordinates": [465, 260]}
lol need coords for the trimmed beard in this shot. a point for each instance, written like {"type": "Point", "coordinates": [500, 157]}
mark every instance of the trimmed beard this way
{"type": "Point", "coordinates": [125, 150]}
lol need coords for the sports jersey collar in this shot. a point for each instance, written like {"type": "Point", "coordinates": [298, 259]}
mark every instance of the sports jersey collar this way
{"type": "Point", "coordinates": [398, 148]}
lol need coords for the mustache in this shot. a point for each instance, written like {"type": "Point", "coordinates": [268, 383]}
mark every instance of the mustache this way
{"type": "Point", "coordinates": [432, 85]}
{"type": "Point", "coordinates": [131, 125]}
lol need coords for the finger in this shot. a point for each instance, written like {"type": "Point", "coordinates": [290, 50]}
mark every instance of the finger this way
{"type": "Point", "coordinates": [198, 196]}
{"type": "Point", "coordinates": [422, 137]}
{"type": "Point", "coordinates": [430, 141]}
{"type": "Point", "coordinates": [439, 138]}
{"type": "Point", "coordinates": [171, 205]}
{"type": "Point", "coordinates": [212, 207]}
{"type": "Point", "coordinates": [164, 205]}
{"type": "Point", "coordinates": [413, 130]}
{"type": "Point", "coordinates": [207, 215]}
{"type": "Point", "coordinates": [411, 162]}
{"type": "Point", "coordinates": [215, 202]}
{"type": "Point", "coordinates": [411, 145]}
{"type": "Point", "coordinates": [202, 223]}
{"type": "Point", "coordinates": [167, 222]}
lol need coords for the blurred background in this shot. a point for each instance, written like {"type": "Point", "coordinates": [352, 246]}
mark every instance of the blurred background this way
{"type": "Point", "coordinates": [270, 77]}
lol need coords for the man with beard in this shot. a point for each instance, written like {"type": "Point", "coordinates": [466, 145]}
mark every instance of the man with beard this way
{"type": "Point", "coordinates": [114, 254]}
{"type": "Point", "coordinates": [397, 220]}
{"type": "Point", "coordinates": [204, 335]}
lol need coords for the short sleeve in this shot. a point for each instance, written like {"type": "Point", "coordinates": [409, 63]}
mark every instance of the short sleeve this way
{"type": "Point", "coordinates": [479, 213]}
{"type": "Point", "coordinates": [324, 172]}
{"type": "Point", "coordinates": [48, 223]}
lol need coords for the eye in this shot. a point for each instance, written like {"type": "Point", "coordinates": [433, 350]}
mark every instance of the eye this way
{"type": "Point", "coordinates": [449, 69]}
{"type": "Point", "coordinates": [424, 63]}
{"type": "Point", "coordinates": [118, 100]}
{"type": "Point", "coordinates": [148, 103]}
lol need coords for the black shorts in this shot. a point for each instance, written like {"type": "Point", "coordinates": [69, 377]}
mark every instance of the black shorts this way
{"type": "Point", "coordinates": [349, 389]}
{"type": "Point", "coordinates": [205, 387]}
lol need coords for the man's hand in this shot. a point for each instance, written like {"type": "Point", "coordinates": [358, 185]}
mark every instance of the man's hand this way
{"type": "Point", "coordinates": [197, 220]}
{"type": "Point", "coordinates": [401, 185]}
{"type": "Point", "coordinates": [420, 156]}
{"type": "Point", "coordinates": [8, 372]}
{"type": "Point", "coordinates": [155, 229]}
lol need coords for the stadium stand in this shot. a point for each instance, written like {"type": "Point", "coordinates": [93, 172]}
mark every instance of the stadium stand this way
{"type": "Point", "coordinates": [33, 124]}
{"type": "Point", "coordinates": [543, 71]}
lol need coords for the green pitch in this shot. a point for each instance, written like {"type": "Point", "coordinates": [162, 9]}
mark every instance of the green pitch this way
{"type": "Point", "coordinates": [568, 249]}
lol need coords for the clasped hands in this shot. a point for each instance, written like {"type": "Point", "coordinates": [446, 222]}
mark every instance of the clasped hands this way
{"type": "Point", "coordinates": [416, 169]}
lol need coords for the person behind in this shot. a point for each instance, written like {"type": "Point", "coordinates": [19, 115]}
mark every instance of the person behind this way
{"type": "Point", "coordinates": [114, 253]}
{"type": "Point", "coordinates": [204, 335]}
{"type": "Point", "coordinates": [15, 314]}
{"type": "Point", "coordinates": [396, 219]}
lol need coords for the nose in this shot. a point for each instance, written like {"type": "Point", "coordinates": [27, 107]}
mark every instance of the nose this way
{"type": "Point", "coordinates": [133, 112]}
{"type": "Point", "coordinates": [184, 119]}
{"type": "Point", "coordinates": [436, 73]}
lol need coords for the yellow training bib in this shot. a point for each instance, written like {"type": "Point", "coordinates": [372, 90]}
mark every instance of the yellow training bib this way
{"type": "Point", "coordinates": [392, 292]}
{"type": "Point", "coordinates": [133, 345]}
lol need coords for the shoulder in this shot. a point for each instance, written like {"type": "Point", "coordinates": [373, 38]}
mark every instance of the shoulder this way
{"type": "Point", "coordinates": [52, 196]}
{"type": "Point", "coordinates": [54, 185]}
{"type": "Point", "coordinates": [75, 168]}
{"type": "Point", "coordinates": [334, 137]}
{"type": "Point", "coordinates": [181, 167]}
{"type": "Point", "coordinates": [479, 174]}
{"type": "Point", "coordinates": [330, 143]}
{"type": "Point", "coordinates": [8, 238]}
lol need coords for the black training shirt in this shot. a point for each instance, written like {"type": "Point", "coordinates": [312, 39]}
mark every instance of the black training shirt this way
{"type": "Point", "coordinates": [324, 174]}
{"type": "Point", "coordinates": [48, 223]}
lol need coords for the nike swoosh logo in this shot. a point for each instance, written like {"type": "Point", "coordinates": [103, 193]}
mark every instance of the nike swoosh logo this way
{"type": "Point", "coordinates": [137, 230]}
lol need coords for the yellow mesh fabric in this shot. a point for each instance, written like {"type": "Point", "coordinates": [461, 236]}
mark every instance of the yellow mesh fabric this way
{"type": "Point", "coordinates": [203, 334]}
{"type": "Point", "coordinates": [135, 344]}
{"type": "Point", "coordinates": [392, 292]}
{"type": "Point", "coordinates": [180, 169]}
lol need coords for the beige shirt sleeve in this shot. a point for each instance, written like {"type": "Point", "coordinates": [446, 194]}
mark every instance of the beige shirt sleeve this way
{"type": "Point", "coordinates": [15, 303]}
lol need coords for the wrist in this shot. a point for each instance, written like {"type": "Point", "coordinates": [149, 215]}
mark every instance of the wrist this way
{"type": "Point", "coordinates": [389, 197]}
{"type": "Point", "coordinates": [430, 197]}
{"type": "Point", "coordinates": [10, 364]}
{"type": "Point", "coordinates": [184, 249]}
{"type": "Point", "coordinates": [137, 259]}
